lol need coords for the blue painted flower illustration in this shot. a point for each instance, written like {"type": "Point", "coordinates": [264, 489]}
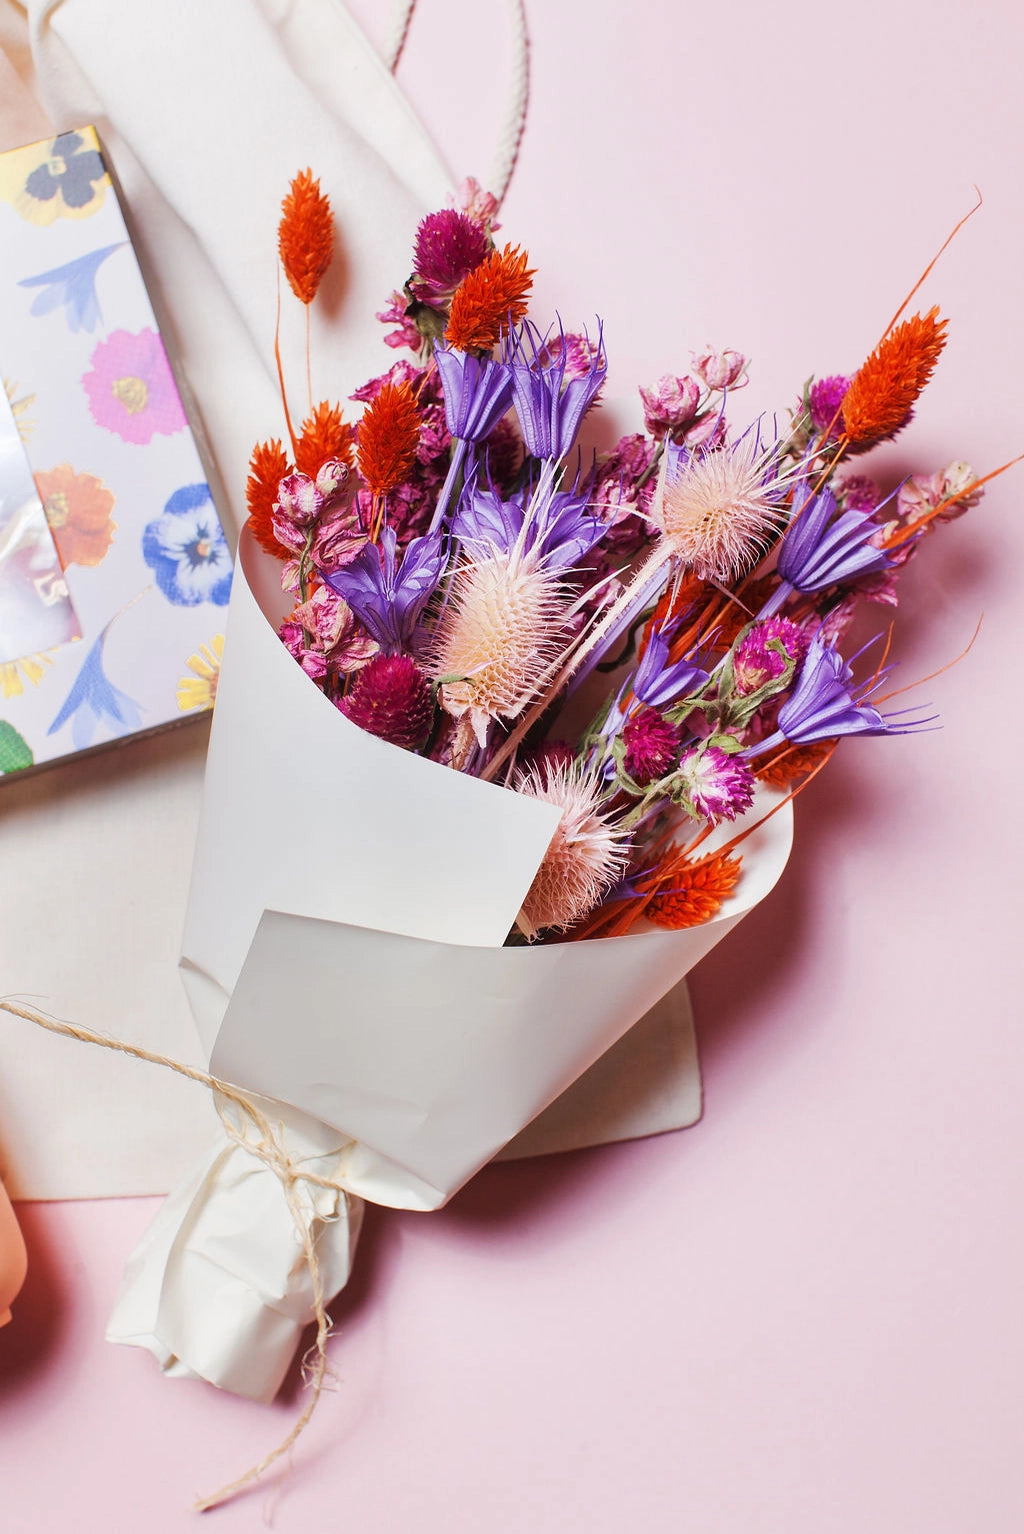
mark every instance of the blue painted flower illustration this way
{"type": "Point", "coordinates": [187, 551]}
{"type": "Point", "coordinates": [95, 703]}
{"type": "Point", "coordinates": [72, 286]}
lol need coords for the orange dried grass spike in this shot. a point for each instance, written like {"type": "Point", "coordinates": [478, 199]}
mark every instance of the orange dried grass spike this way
{"type": "Point", "coordinates": [267, 467]}
{"type": "Point", "coordinates": [305, 236]}
{"type": "Point", "coordinates": [489, 299]}
{"type": "Point", "coordinates": [389, 435]}
{"type": "Point", "coordinates": [691, 893]}
{"type": "Point", "coordinates": [324, 436]}
{"type": "Point", "coordinates": [795, 762]}
{"type": "Point", "coordinates": [884, 390]}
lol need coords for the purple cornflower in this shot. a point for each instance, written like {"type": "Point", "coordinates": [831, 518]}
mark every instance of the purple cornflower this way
{"type": "Point", "coordinates": [658, 684]}
{"type": "Point", "coordinates": [448, 247]}
{"type": "Point", "coordinates": [820, 549]}
{"type": "Point", "coordinates": [562, 530]}
{"type": "Point", "coordinates": [387, 598]}
{"type": "Point", "coordinates": [550, 408]}
{"type": "Point", "coordinates": [477, 392]}
{"type": "Point", "coordinates": [757, 659]}
{"type": "Point", "coordinates": [717, 785]}
{"type": "Point", "coordinates": [825, 703]}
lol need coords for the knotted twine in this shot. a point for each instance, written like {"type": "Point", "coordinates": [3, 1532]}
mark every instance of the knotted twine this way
{"type": "Point", "coordinates": [253, 1132]}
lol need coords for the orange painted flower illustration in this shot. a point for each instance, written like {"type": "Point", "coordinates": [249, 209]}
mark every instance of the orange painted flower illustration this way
{"type": "Point", "coordinates": [78, 508]}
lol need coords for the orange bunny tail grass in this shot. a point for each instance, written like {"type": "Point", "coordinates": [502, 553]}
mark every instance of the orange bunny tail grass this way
{"type": "Point", "coordinates": [490, 299]}
{"type": "Point", "coordinates": [794, 763]}
{"type": "Point", "coordinates": [884, 390]}
{"type": "Point", "coordinates": [305, 236]}
{"type": "Point", "coordinates": [324, 436]}
{"type": "Point", "coordinates": [389, 435]}
{"type": "Point", "coordinates": [687, 894]}
{"type": "Point", "coordinates": [267, 467]}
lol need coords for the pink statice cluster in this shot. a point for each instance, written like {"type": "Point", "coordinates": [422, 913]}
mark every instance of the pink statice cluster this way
{"type": "Point", "coordinates": [470, 572]}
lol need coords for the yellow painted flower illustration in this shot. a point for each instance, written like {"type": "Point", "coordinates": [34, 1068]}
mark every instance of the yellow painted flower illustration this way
{"type": "Point", "coordinates": [31, 667]}
{"type": "Point", "coordinates": [199, 691]}
{"type": "Point", "coordinates": [63, 177]}
{"type": "Point", "coordinates": [19, 404]}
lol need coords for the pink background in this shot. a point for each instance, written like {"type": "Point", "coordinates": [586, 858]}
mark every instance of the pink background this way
{"type": "Point", "coordinates": [804, 1314]}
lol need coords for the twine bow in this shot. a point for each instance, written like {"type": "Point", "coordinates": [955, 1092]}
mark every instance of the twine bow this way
{"type": "Point", "coordinates": [255, 1133]}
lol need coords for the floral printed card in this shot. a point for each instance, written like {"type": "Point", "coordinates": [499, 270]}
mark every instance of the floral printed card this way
{"type": "Point", "coordinates": [112, 610]}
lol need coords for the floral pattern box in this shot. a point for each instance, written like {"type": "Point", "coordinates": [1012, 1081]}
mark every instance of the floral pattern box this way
{"type": "Point", "coordinates": [114, 570]}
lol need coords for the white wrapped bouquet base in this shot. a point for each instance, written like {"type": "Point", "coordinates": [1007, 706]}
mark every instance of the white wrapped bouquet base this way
{"type": "Point", "coordinates": [343, 953]}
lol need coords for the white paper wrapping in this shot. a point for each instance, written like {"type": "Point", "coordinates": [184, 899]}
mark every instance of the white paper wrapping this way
{"type": "Point", "coordinates": [218, 1287]}
{"type": "Point", "coordinates": [343, 954]}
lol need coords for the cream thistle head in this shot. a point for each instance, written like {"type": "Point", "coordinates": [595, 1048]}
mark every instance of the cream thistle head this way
{"type": "Point", "coordinates": [503, 633]}
{"type": "Point", "coordinates": [718, 507]}
{"type": "Point", "coordinates": [587, 853]}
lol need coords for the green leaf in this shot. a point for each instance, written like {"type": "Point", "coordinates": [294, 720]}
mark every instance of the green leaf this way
{"type": "Point", "coordinates": [15, 751]}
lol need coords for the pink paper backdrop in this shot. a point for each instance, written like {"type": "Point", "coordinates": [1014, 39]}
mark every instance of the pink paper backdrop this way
{"type": "Point", "coordinates": [804, 1314]}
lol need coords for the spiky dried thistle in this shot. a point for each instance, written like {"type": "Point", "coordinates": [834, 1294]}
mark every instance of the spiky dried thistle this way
{"type": "Point", "coordinates": [682, 893]}
{"type": "Point", "coordinates": [490, 299]}
{"type": "Point", "coordinates": [719, 508]}
{"type": "Point", "coordinates": [267, 467]}
{"type": "Point", "coordinates": [503, 632]}
{"type": "Point", "coordinates": [305, 236]}
{"type": "Point", "coordinates": [324, 436]}
{"type": "Point", "coordinates": [586, 855]}
{"type": "Point", "coordinates": [388, 437]}
{"type": "Point", "coordinates": [884, 389]}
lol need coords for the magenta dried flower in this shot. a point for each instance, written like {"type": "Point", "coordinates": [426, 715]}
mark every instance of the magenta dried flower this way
{"type": "Point", "coordinates": [858, 493]}
{"type": "Point", "coordinates": [449, 245]}
{"type": "Point", "coordinates": [825, 402]}
{"type": "Point", "coordinates": [670, 404]}
{"type": "Point", "coordinates": [652, 746]}
{"type": "Point", "coordinates": [719, 786]}
{"type": "Point", "coordinates": [391, 699]}
{"type": "Point", "coordinates": [406, 333]}
{"type": "Point", "coordinates": [756, 661]}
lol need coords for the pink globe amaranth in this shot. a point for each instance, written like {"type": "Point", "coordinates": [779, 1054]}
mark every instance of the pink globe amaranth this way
{"type": "Point", "coordinates": [652, 746]}
{"type": "Point", "coordinates": [391, 698]}
{"type": "Point", "coordinates": [720, 786]}
{"type": "Point", "coordinates": [754, 664]}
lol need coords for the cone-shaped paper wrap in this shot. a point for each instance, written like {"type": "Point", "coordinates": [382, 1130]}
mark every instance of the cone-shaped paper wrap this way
{"type": "Point", "coordinates": [343, 954]}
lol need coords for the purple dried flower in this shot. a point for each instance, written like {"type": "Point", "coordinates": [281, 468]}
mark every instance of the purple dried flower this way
{"type": "Point", "coordinates": [449, 246]}
{"type": "Point", "coordinates": [825, 703]}
{"type": "Point", "coordinates": [477, 392]}
{"type": "Point", "coordinates": [387, 598]}
{"type": "Point", "coordinates": [550, 409]}
{"type": "Point", "coordinates": [820, 549]}
{"type": "Point", "coordinates": [652, 746]}
{"type": "Point", "coordinates": [719, 786]}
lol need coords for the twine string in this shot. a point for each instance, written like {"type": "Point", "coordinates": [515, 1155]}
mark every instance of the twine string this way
{"type": "Point", "coordinates": [518, 97]}
{"type": "Point", "coordinates": [254, 1132]}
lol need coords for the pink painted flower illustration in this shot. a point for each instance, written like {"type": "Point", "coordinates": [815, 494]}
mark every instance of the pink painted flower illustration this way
{"type": "Point", "coordinates": [131, 388]}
